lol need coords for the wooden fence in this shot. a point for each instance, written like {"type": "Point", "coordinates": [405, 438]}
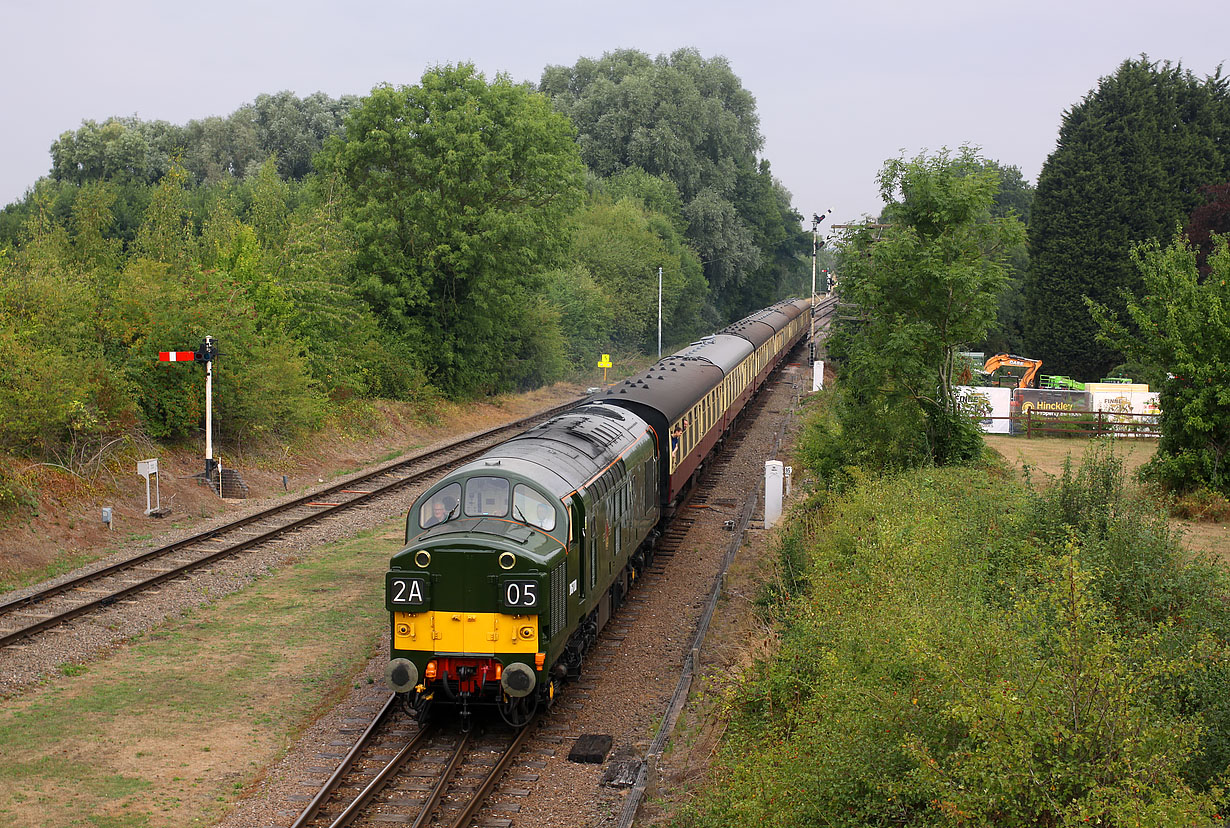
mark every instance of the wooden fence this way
{"type": "Point", "coordinates": [1083, 423]}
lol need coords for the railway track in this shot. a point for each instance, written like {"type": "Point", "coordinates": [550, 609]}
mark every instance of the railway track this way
{"type": "Point", "coordinates": [397, 773]}
{"type": "Point", "coordinates": [24, 617]}
{"type": "Point", "coordinates": [435, 775]}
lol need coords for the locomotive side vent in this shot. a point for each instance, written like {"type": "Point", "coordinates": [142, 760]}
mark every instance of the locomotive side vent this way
{"type": "Point", "coordinates": [559, 595]}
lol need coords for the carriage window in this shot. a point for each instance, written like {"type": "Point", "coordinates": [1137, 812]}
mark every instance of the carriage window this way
{"type": "Point", "coordinates": [531, 507]}
{"type": "Point", "coordinates": [487, 496]}
{"type": "Point", "coordinates": [441, 507]}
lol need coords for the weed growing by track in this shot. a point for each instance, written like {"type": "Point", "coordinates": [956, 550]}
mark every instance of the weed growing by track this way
{"type": "Point", "coordinates": [957, 649]}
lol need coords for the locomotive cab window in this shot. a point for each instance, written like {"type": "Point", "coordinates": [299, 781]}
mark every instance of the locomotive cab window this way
{"type": "Point", "coordinates": [441, 507]}
{"type": "Point", "coordinates": [532, 508]}
{"type": "Point", "coordinates": [486, 496]}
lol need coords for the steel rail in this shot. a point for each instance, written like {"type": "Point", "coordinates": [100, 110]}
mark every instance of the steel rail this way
{"type": "Point", "coordinates": [331, 784]}
{"type": "Point", "coordinates": [348, 814]}
{"type": "Point", "coordinates": [484, 790]}
{"type": "Point", "coordinates": [215, 534]}
{"type": "Point", "coordinates": [437, 791]}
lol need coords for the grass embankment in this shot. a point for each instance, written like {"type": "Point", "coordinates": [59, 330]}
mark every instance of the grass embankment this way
{"type": "Point", "coordinates": [958, 650]}
{"type": "Point", "coordinates": [169, 730]}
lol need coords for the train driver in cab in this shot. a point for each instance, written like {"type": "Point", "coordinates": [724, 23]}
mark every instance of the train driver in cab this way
{"type": "Point", "coordinates": [441, 509]}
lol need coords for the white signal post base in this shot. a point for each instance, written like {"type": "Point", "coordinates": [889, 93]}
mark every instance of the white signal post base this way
{"type": "Point", "coordinates": [774, 472]}
{"type": "Point", "coordinates": [817, 378]}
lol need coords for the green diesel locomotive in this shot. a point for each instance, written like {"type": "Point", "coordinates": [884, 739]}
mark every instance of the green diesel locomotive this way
{"type": "Point", "coordinates": [514, 562]}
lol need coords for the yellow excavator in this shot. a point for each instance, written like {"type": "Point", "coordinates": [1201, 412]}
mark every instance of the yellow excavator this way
{"type": "Point", "coordinates": [1011, 371]}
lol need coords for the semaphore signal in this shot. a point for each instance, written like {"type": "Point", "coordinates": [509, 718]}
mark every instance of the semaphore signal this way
{"type": "Point", "coordinates": [207, 353]}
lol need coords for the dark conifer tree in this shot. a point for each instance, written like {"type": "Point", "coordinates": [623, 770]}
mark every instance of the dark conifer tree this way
{"type": "Point", "coordinates": [1128, 167]}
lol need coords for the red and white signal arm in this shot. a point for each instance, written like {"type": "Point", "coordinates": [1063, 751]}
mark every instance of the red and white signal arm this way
{"type": "Point", "coordinates": [176, 356]}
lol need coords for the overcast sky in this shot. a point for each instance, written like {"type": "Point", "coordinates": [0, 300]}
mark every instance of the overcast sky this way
{"type": "Point", "coordinates": [840, 87]}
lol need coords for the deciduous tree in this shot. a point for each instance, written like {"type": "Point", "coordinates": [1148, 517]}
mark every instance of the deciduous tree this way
{"type": "Point", "coordinates": [923, 291]}
{"type": "Point", "coordinates": [1180, 323]}
{"type": "Point", "coordinates": [689, 120]}
{"type": "Point", "coordinates": [458, 191]}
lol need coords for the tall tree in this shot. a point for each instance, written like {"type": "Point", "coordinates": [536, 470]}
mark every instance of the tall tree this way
{"type": "Point", "coordinates": [689, 120]}
{"type": "Point", "coordinates": [1014, 198]}
{"type": "Point", "coordinates": [622, 245]}
{"type": "Point", "coordinates": [924, 290]}
{"type": "Point", "coordinates": [778, 234]}
{"type": "Point", "coordinates": [1130, 160]}
{"type": "Point", "coordinates": [458, 191]}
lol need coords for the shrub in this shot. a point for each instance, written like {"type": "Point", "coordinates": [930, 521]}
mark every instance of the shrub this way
{"type": "Point", "coordinates": [957, 650]}
{"type": "Point", "coordinates": [1202, 504]}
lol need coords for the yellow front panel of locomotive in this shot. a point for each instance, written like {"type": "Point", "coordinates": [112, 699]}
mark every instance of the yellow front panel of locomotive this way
{"type": "Point", "coordinates": [465, 632]}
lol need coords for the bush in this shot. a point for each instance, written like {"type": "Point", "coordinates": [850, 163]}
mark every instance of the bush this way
{"type": "Point", "coordinates": [957, 650]}
{"type": "Point", "coordinates": [1202, 504]}
{"type": "Point", "coordinates": [842, 436]}
{"type": "Point", "coordinates": [13, 494]}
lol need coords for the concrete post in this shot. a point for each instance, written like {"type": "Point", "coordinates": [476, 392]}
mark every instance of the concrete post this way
{"type": "Point", "coordinates": [773, 474]}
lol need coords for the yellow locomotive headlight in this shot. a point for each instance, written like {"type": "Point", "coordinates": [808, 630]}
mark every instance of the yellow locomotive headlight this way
{"type": "Point", "coordinates": [526, 632]}
{"type": "Point", "coordinates": [403, 629]}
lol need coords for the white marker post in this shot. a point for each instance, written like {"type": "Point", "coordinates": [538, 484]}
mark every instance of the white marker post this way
{"type": "Point", "coordinates": [773, 474]}
{"type": "Point", "coordinates": [148, 469]}
{"type": "Point", "coordinates": [817, 378]}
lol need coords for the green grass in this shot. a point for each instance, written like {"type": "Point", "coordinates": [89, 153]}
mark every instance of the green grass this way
{"type": "Point", "coordinates": [64, 562]}
{"type": "Point", "coordinates": [211, 697]}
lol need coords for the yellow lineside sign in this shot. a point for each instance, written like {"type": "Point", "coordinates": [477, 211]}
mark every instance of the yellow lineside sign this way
{"type": "Point", "coordinates": [605, 362]}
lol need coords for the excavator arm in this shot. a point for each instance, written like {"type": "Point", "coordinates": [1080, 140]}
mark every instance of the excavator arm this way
{"type": "Point", "coordinates": [1031, 366]}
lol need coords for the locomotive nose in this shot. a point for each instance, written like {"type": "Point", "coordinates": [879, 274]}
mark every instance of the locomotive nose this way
{"type": "Point", "coordinates": [401, 675]}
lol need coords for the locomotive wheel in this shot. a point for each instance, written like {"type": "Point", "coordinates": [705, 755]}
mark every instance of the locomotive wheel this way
{"type": "Point", "coordinates": [517, 712]}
